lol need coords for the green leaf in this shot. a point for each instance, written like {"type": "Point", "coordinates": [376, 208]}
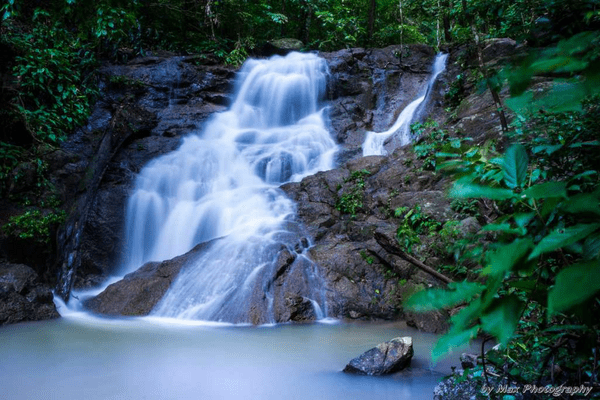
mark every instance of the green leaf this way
{"type": "Point", "coordinates": [469, 190]}
{"type": "Point", "coordinates": [452, 340]}
{"type": "Point", "coordinates": [546, 190]}
{"type": "Point", "coordinates": [522, 219]}
{"type": "Point", "coordinates": [435, 299]}
{"type": "Point", "coordinates": [507, 256]}
{"type": "Point", "coordinates": [504, 228]}
{"type": "Point", "coordinates": [585, 203]}
{"type": "Point", "coordinates": [526, 285]}
{"type": "Point", "coordinates": [574, 285]}
{"type": "Point", "coordinates": [591, 247]}
{"type": "Point", "coordinates": [515, 166]}
{"type": "Point", "coordinates": [584, 174]}
{"type": "Point", "coordinates": [502, 318]}
{"type": "Point", "coordinates": [548, 148]}
{"type": "Point", "coordinates": [559, 64]}
{"type": "Point", "coordinates": [562, 237]}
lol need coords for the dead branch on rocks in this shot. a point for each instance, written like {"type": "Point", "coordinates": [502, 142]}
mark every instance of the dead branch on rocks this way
{"type": "Point", "coordinates": [389, 245]}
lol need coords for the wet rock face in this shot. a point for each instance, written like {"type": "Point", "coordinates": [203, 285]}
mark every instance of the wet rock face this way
{"type": "Point", "coordinates": [22, 296]}
{"type": "Point", "coordinates": [386, 358]}
{"type": "Point", "coordinates": [138, 292]}
{"type": "Point", "coordinates": [147, 105]}
{"type": "Point", "coordinates": [363, 281]}
{"type": "Point", "coordinates": [370, 87]}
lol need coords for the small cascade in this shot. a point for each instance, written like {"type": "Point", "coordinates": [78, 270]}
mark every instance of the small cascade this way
{"type": "Point", "coordinates": [224, 184]}
{"type": "Point", "coordinates": [375, 141]}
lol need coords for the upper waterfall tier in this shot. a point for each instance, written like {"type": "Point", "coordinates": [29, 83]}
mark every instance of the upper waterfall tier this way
{"type": "Point", "coordinates": [374, 143]}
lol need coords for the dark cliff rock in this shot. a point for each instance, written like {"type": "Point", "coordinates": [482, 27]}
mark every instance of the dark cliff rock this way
{"type": "Point", "coordinates": [370, 87]}
{"type": "Point", "coordinates": [22, 296]}
{"type": "Point", "coordinates": [148, 104]}
{"type": "Point", "coordinates": [364, 282]}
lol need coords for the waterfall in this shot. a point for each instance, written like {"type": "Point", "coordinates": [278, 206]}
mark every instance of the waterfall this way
{"type": "Point", "coordinates": [223, 183]}
{"type": "Point", "coordinates": [375, 141]}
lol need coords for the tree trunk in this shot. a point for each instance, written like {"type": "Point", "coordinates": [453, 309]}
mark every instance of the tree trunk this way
{"type": "Point", "coordinates": [446, 20]}
{"type": "Point", "coordinates": [282, 32]}
{"type": "Point", "coordinates": [371, 25]}
{"type": "Point", "coordinates": [309, 13]}
{"type": "Point", "coordinates": [485, 72]}
{"type": "Point", "coordinates": [470, 21]}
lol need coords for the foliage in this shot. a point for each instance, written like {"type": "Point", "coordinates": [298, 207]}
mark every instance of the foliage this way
{"type": "Point", "coordinates": [414, 222]}
{"type": "Point", "coordinates": [351, 201]}
{"type": "Point", "coordinates": [344, 29]}
{"type": "Point", "coordinates": [540, 272]}
{"type": "Point", "coordinates": [10, 156]}
{"type": "Point", "coordinates": [576, 59]}
{"type": "Point", "coordinates": [53, 69]}
{"type": "Point", "coordinates": [456, 91]}
{"type": "Point", "coordinates": [431, 140]}
{"type": "Point", "coordinates": [34, 225]}
{"type": "Point", "coordinates": [547, 246]}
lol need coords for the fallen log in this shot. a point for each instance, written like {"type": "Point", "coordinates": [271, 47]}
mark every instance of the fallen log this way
{"type": "Point", "coordinates": [390, 245]}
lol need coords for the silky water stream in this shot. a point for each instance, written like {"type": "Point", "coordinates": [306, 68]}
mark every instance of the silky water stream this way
{"type": "Point", "coordinates": [374, 144]}
{"type": "Point", "coordinates": [220, 184]}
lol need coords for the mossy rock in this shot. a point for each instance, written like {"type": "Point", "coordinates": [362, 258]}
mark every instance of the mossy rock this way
{"type": "Point", "coordinates": [289, 44]}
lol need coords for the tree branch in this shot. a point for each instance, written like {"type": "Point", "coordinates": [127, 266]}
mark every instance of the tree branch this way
{"type": "Point", "coordinates": [389, 245]}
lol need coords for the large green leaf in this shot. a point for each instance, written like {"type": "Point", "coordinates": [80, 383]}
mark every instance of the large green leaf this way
{"type": "Point", "coordinates": [435, 299]}
{"type": "Point", "coordinates": [562, 237]}
{"type": "Point", "coordinates": [507, 256]}
{"type": "Point", "coordinates": [582, 203]}
{"type": "Point", "coordinates": [515, 166]}
{"type": "Point", "coordinates": [559, 64]}
{"type": "Point", "coordinates": [562, 96]}
{"type": "Point", "coordinates": [504, 228]}
{"type": "Point", "coordinates": [546, 190]}
{"type": "Point", "coordinates": [502, 318]}
{"type": "Point", "coordinates": [469, 190]}
{"type": "Point", "coordinates": [454, 339]}
{"type": "Point", "coordinates": [591, 247]}
{"type": "Point", "coordinates": [522, 219]}
{"type": "Point", "coordinates": [574, 285]}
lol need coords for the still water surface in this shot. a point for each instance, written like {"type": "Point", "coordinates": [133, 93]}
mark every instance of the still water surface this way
{"type": "Point", "coordinates": [92, 358]}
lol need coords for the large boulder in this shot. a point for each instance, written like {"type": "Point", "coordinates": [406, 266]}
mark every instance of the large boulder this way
{"type": "Point", "coordinates": [22, 296]}
{"type": "Point", "coordinates": [281, 46]}
{"type": "Point", "coordinates": [386, 358]}
{"type": "Point", "coordinates": [138, 292]}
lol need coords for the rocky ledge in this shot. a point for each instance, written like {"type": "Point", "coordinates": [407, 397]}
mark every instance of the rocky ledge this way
{"type": "Point", "coordinates": [22, 296]}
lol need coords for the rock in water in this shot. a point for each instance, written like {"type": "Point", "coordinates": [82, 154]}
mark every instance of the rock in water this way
{"type": "Point", "coordinates": [386, 358]}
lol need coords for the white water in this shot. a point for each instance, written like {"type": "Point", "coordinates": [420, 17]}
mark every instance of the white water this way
{"type": "Point", "coordinates": [375, 141]}
{"type": "Point", "coordinates": [224, 184]}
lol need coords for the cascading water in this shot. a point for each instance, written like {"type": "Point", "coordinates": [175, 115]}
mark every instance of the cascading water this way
{"type": "Point", "coordinates": [375, 141]}
{"type": "Point", "coordinates": [224, 184]}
